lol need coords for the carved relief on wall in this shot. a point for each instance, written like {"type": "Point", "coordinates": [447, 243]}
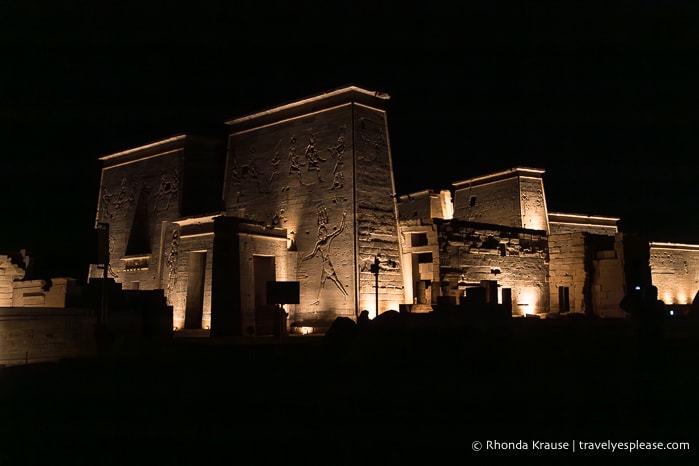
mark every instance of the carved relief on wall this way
{"type": "Point", "coordinates": [313, 158]}
{"type": "Point", "coordinates": [337, 152]}
{"type": "Point", "coordinates": [265, 172]}
{"type": "Point", "coordinates": [273, 183]}
{"type": "Point", "coordinates": [168, 187]}
{"type": "Point", "coordinates": [322, 251]}
{"type": "Point", "coordinates": [110, 248]}
{"type": "Point", "coordinates": [117, 202]}
{"type": "Point", "coordinates": [171, 261]}
{"type": "Point", "coordinates": [536, 203]}
{"type": "Point", "coordinates": [372, 135]}
{"type": "Point", "coordinates": [278, 219]}
{"type": "Point", "coordinates": [294, 163]}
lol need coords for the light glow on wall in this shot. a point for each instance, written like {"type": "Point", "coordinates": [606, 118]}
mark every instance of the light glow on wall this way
{"type": "Point", "coordinates": [526, 300]}
{"type": "Point", "coordinates": [178, 321]}
{"type": "Point", "coordinates": [679, 298]}
{"type": "Point", "coordinates": [447, 204]}
{"type": "Point", "coordinates": [368, 303]}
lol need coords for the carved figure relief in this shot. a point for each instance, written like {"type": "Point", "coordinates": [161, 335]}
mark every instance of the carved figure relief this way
{"type": "Point", "coordinates": [294, 163]}
{"type": "Point", "coordinates": [338, 152]}
{"type": "Point", "coordinates": [372, 135]}
{"type": "Point", "coordinates": [274, 164]}
{"type": "Point", "coordinates": [312, 157]}
{"type": "Point", "coordinates": [169, 186]}
{"type": "Point", "coordinates": [322, 250]}
{"type": "Point", "coordinates": [171, 261]}
{"type": "Point", "coordinates": [249, 170]}
{"type": "Point", "coordinates": [110, 270]}
{"type": "Point", "coordinates": [117, 204]}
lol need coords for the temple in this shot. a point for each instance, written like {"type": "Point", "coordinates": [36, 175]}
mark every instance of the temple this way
{"type": "Point", "coordinates": [298, 208]}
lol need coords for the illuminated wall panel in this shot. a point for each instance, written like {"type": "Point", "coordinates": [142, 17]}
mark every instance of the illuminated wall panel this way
{"type": "Point", "coordinates": [321, 170]}
{"type": "Point", "coordinates": [511, 198]}
{"type": "Point", "coordinates": [514, 258]}
{"type": "Point", "coordinates": [139, 193]}
{"type": "Point", "coordinates": [675, 271]}
{"type": "Point", "coordinates": [141, 197]}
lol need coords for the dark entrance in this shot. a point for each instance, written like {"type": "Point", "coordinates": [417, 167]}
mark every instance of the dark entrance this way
{"type": "Point", "coordinates": [195, 290]}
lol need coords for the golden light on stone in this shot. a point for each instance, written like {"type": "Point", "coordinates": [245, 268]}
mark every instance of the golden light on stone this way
{"type": "Point", "coordinates": [526, 300]}
{"type": "Point", "coordinates": [309, 197]}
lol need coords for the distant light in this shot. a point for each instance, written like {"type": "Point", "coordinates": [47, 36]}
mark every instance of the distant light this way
{"type": "Point", "coordinates": [672, 313]}
{"type": "Point", "coordinates": [638, 287]}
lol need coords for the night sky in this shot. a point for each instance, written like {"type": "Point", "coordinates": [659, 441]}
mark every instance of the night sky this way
{"type": "Point", "coordinates": [602, 95]}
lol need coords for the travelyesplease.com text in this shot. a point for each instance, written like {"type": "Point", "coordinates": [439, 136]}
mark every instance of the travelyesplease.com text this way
{"type": "Point", "coordinates": [577, 445]}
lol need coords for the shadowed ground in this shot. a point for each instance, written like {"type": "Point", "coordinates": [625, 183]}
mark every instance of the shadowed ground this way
{"type": "Point", "coordinates": [382, 397]}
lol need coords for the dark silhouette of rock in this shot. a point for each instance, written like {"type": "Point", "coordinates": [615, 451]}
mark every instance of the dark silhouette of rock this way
{"type": "Point", "coordinates": [388, 323]}
{"type": "Point", "coordinates": [342, 333]}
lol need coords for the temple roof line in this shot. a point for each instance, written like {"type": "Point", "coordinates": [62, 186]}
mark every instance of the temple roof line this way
{"type": "Point", "coordinates": [308, 100]}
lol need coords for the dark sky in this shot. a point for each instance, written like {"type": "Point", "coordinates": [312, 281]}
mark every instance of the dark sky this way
{"type": "Point", "coordinates": [602, 95]}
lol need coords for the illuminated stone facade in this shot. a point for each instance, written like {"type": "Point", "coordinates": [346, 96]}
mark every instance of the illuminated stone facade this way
{"type": "Point", "coordinates": [304, 193]}
{"type": "Point", "coordinates": [146, 197]}
{"type": "Point", "coordinates": [311, 187]}
{"type": "Point", "coordinates": [675, 271]}
{"type": "Point", "coordinates": [502, 238]}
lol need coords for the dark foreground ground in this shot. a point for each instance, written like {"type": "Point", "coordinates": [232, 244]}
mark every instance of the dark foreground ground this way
{"type": "Point", "coordinates": [395, 398]}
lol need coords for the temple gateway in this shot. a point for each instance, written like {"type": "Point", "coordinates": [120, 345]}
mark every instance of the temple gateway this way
{"type": "Point", "coordinates": [299, 208]}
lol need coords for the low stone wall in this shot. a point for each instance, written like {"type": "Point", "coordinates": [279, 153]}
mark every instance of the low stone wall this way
{"type": "Point", "coordinates": [30, 335]}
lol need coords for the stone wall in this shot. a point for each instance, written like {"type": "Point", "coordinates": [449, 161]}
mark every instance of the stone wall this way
{"type": "Point", "coordinates": [377, 222]}
{"type": "Point", "coordinates": [325, 176]}
{"type": "Point", "coordinates": [16, 292]}
{"type": "Point", "coordinates": [139, 199]}
{"type": "Point", "coordinates": [608, 285]}
{"type": "Point", "coordinates": [496, 203]}
{"type": "Point", "coordinates": [511, 198]}
{"type": "Point", "coordinates": [9, 273]}
{"type": "Point", "coordinates": [37, 335]}
{"type": "Point", "coordinates": [40, 293]}
{"type": "Point", "coordinates": [675, 271]}
{"type": "Point", "coordinates": [515, 258]}
{"type": "Point", "coordinates": [567, 269]}
{"type": "Point", "coordinates": [591, 268]}
{"type": "Point", "coordinates": [186, 242]}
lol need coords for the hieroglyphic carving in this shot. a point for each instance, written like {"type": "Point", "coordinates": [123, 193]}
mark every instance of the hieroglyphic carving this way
{"type": "Point", "coordinates": [110, 248]}
{"type": "Point", "coordinates": [322, 248]}
{"type": "Point", "coordinates": [537, 201]}
{"type": "Point", "coordinates": [278, 218]}
{"type": "Point", "coordinates": [274, 164]}
{"type": "Point", "coordinates": [169, 186]}
{"type": "Point", "coordinates": [338, 152]}
{"type": "Point", "coordinates": [249, 170]}
{"type": "Point", "coordinates": [312, 157]}
{"type": "Point", "coordinates": [115, 204]}
{"type": "Point", "coordinates": [294, 163]}
{"type": "Point", "coordinates": [339, 200]}
{"type": "Point", "coordinates": [171, 261]}
{"type": "Point", "coordinates": [372, 135]}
